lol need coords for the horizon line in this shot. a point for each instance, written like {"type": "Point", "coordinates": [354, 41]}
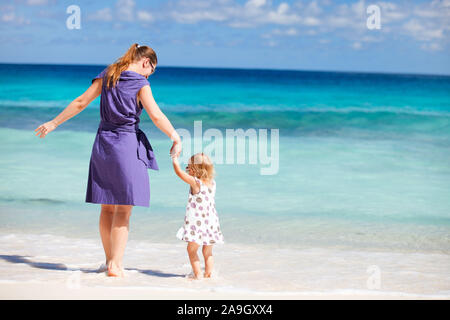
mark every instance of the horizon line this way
{"type": "Point", "coordinates": [241, 68]}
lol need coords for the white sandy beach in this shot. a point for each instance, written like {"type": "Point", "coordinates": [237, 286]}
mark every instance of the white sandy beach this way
{"type": "Point", "coordinates": [35, 291]}
{"type": "Point", "coordinates": [55, 267]}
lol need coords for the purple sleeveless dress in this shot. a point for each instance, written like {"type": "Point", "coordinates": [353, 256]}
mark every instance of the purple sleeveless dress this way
{"type": "Point", "coordinates": [121, 153]}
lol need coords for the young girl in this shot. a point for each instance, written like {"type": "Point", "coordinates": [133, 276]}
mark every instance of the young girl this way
{"type": "Point", "coordinates": [201, 223]}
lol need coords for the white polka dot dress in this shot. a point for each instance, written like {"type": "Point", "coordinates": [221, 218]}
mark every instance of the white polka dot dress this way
{"type": "Point", "coordinates": [201, 222]}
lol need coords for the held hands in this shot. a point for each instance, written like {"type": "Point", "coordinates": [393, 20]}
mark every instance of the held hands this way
{"type": "Point", "coordinates": [45, 128]}
{"type": "Point", "coordinates": [176, 149]}
{"type": "Point", "coordinates": [176, 146]}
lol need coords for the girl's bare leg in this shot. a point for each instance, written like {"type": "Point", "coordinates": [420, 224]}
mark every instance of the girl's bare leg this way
{"type": "Point", "coordinates": [119, 238]}
{"type": "Point", "coordinates": [209, 260]}
{"type": "Point", "coordinates": [105, 223]}
{"type": "Point", "coordinates": [192, 248]}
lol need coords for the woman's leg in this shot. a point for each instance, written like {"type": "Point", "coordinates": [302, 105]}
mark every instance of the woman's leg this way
{"type": "Point", "coordinates": [209, 260]}
{"type": "Point", "coordinates": [119, 237]}
{"type": "Point", "coordinates": [105, 224]}
{"type": "Point", "coordinates": [192, 248]}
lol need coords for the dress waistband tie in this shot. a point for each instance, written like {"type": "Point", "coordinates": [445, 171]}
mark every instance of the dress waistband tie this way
{"type": "Point", "coordinates": [144, 150]}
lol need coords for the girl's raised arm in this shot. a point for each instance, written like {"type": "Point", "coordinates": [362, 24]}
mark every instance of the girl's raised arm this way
{"type": "Point", "coordinates": [74, 108]}
{"type": "Point", "coordinates": [159, 119]}
{"type": "Point", "coordinates": [184, 176]}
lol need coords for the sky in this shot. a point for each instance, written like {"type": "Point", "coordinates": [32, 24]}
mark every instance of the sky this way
{"type": "Point", "coordinates": [301, 34]}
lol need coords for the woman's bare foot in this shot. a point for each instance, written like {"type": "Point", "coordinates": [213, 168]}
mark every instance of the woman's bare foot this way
{"type": "Point", "coordinates": [114, 270]}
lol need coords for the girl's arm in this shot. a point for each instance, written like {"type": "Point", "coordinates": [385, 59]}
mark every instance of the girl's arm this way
{"type": "Point", "coordinates": [74, 108]}
{"type": "Point", "coordinates": [184, 176]}
{"type": "Point", "coordinates": [159, 119]}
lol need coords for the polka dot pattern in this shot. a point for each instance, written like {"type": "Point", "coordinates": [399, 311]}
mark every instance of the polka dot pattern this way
{"type": "Point", "coordinates": [201, 222]}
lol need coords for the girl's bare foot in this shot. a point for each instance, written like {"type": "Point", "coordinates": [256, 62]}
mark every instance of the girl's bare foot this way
{"type": "Point", "coordinates": [192, 276]}
{"type": "Point", "coordinates": [210, 274]}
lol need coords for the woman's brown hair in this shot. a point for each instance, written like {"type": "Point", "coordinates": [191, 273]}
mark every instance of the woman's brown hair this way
{"type": "Point", "coordinates": [134, 53]}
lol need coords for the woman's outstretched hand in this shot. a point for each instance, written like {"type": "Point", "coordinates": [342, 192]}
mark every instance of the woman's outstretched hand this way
{"type": "Point", "coordinates": [45, 128]}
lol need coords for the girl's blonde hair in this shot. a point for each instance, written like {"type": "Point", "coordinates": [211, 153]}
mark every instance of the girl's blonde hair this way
{"type": "Point", "coordinates": [202, 166]}
{"type": "Point", "coordinates": [134, 53]}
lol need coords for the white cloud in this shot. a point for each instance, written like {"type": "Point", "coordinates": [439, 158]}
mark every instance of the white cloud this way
{"type": "Point", "coordinates": [280, 16]}
{"type": "Point", "coordinates": [145, 16]}
{"type": "Point", "coordinates": [241, 24]}
{"type": "Point", "coordinates": [424, 22]}
{"type": "Point", "coordinates": [203, 43]}
{"type": "Point", "coordinates": [371, 39]}
{"type": "Point", "coordinates": [291, 32]}
{"type": "Point", "coordinates": [253, 13]}
{"type": "Point", "coordinates": [194, 4]}
{"type": "Point", "coordinates": [194, 17]}
{"type": "Point", "coordinates": [338, 22]}
{"type": "Point", "coordinates": [104, 14]}
{"type": "Point", "coordinates": [311, 21]}
{"type": "Point", "coordinates": [421, 32]}
{"type": "Point", "coordinates": [255, 3]}
{"type": "Point", "coordinates": [37, 2]}
{"type": "Point", "coordinates": [426, 13]}
{"type": "Point", "coordinates": [125, 9]}
{"type": "Point", "coordinates": [278, 32]}
{"type": "Point", "coordinates": [313, 9]}
{"type": "Point", "coordinates": [11, 17]}
{"type": "Point", "coordinates": [359, 9]}
{"type": "Point", "coordinates": [431, 21]}
{"type": "Point", "coordinates": [271, 43]}
{"type": "Point", "coordinates": [391, 12]}
{"type": "Point", "coordinates": [283, 8]}
{"type": "Point", "coordinates": [194, 11]}
{"type": "Point", "coordinates": [357, 45]}
{"type": "Point", "coordinates": [431, 47]}
{"type": "Point", "coordinates": [8, 17]}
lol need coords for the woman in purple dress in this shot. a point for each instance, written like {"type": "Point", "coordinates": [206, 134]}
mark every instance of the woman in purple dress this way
{"type": "Point", "coordinates": [121, 154]}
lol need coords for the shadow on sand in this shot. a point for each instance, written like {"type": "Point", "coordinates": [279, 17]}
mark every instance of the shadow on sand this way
{"type": "Point", "coordinates": [63, 267]}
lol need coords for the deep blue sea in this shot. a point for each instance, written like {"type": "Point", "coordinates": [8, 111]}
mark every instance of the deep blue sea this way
{"type": "Point", "coordinates": [364, 159]}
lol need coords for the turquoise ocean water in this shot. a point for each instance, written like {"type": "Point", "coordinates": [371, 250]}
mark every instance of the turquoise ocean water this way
{"type": "Point", "coordinates": [364, 159]}
{"type": "Point", "coordinates": [363, 179]}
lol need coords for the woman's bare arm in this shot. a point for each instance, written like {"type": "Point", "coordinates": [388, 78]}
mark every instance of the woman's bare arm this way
{"type": "Point", "coordinates": [156, 115]}
{"type": "Point", "coordinates": [74, 108]}
{"type": "Point", "coordinates": [159, 118]}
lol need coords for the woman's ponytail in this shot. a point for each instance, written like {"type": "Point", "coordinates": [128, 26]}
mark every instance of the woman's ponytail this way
{"type": "Point", "coordinates": [115, 69]}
